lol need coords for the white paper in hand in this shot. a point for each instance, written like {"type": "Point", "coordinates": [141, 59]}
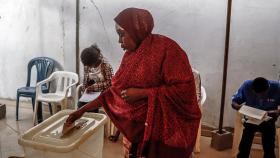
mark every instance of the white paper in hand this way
{"type": "Point", "coordinates": [88, 97]}
{"type": "Point", "coordinates": [252, 112]}
{"type": "Point", "coordinates": [253, 115]}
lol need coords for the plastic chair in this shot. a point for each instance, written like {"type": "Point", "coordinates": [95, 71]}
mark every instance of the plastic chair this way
{"type": "Point", "coordinates": [64, 82]}
{"type": "Point", "coordinates": [278, 136]}
{"type": "Point", "coordinates": [78, 95]}
{"type": "Point", "coordinates": [202, 101]}
{"type": "Point", "coordinates": [44, 67]}
{"type": "Point", "coordinates": [201, 96]}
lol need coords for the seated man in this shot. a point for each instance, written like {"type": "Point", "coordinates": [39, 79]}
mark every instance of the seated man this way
{"type": "Point", "coordinates": [262, 94]}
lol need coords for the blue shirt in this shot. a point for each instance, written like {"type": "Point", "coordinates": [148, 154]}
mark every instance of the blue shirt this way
{"type": "Point", "coordinates": [269, 101]}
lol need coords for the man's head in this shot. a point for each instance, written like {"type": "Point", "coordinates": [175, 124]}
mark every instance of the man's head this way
{"type": "Point", "coordinates": [91, 56]}
{"type": "Point", "coordinates": [260, 85]}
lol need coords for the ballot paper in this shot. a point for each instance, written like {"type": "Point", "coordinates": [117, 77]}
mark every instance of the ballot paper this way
{"type": "Point", "coordinates": [253, 115]}
{"type": "Point", "coordinates": [88, 97]}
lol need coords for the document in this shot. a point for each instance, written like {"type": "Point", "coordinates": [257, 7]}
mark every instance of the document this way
{"type": "Point", "coordinates": [253, 115]}
{"type": "Point", "coordinates": [88, 97]}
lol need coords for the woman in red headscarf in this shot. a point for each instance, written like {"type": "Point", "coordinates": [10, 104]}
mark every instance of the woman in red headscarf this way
{"type": "Point", "coordinates": [152, 100]}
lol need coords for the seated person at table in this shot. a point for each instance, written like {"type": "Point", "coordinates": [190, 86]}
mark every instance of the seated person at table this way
{"type": "Point", "coordinates": [97, 74]}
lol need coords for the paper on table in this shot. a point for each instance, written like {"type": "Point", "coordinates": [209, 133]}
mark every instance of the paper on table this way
{"type": "Point", "coordinates": [88, 97]}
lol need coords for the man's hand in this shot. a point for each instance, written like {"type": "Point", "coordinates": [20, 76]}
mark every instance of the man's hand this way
{"type": "Point", "coordinates": [131, 95]}
{"type": "Point", "coordinates": [235, 106]}
{"type": "Point", "coordinates": [273, 113]}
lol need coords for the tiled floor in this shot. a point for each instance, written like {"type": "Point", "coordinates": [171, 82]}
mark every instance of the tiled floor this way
{"type": "Point", "coordinates": [10, 129]}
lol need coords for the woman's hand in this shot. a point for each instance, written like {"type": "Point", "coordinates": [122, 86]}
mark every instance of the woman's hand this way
{"type": "Point", "coordinates": [131, 95]}
{"type": "Point", "coordinates": [73, 117]}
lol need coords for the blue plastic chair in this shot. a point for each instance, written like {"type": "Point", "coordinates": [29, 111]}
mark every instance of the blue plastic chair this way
{"type": "Point", "coordinates": [44, 67]}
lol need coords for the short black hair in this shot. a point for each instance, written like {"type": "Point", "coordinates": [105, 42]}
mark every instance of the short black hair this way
{"type": "Point", "coordinates": [90, 55]}
{"type": "Point", "coordinates": [260, 85]}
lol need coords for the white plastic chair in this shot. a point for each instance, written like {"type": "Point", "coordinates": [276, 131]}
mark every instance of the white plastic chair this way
{"type": "Point", "coordinates": [78, 95]}
{"type": "Point", "coordinates": [202, 101]}
{"type": "Point", "coordinates": [64, 82]}
{"type": "Point", "coordinates": [201, 96]}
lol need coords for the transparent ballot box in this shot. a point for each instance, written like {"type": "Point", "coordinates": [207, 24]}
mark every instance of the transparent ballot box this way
{"type": "Point", "coordinates": [46, 140]}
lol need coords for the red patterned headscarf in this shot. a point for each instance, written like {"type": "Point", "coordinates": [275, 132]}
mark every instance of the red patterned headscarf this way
{"type": "Point", "coordinates": [138, 23]}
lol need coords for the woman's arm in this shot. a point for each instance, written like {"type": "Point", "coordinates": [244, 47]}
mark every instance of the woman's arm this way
{"type": "Point", "coordinates": [79, 113]}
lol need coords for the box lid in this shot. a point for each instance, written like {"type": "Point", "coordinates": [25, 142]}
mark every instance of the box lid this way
{"type": "Point", "coordinates": [48, 134]}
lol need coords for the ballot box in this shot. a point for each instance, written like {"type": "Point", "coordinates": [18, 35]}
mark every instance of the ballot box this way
{"type": "Point", "coordinates": [47, 141]}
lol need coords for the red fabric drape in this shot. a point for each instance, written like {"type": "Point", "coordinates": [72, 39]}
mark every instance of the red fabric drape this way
{"type": "Point", "coordinates": [164, 125]}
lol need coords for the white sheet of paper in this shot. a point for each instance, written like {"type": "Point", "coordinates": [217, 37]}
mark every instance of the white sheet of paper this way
{"type": "Point", "coordinates": [252, 112]}
{"type": "Point", "coordinates": [253, 115]}
{"type": "Point", "coordinates": [88, 97]}
{"type": "Point", "coordinates": [256, 121]}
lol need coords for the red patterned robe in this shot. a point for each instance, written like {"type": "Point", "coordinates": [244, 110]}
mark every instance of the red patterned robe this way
{"type": "Point", "coordinates": [165, 124]}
